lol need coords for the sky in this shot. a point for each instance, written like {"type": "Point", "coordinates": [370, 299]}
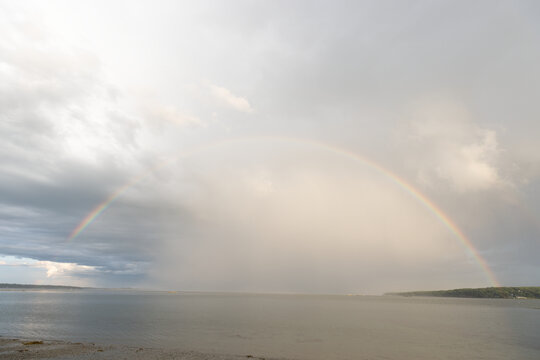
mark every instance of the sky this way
{"type": "Point", "coordinates": [270, 146]}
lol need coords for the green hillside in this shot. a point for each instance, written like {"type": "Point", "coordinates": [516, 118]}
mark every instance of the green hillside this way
{"type": "Point", "coordinates": [529, 292]}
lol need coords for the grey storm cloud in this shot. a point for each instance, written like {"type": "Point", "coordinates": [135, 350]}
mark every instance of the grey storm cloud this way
{"type": "Point", "coordinates": [132, 103]}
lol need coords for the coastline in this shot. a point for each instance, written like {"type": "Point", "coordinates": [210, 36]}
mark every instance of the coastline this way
{"type": "Point", "coordinates": [18, 349]}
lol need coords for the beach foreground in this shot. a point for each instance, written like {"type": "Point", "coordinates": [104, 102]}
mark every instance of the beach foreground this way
{"type": "Point", "coordinates": [52, 349]}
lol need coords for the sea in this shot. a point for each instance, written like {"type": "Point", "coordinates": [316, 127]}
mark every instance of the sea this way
{"type": "Point", "coordinates": [280, 326]}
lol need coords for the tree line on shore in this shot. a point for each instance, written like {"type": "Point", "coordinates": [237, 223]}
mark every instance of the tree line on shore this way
{"type": "Point", "coordinates": [529, 292]}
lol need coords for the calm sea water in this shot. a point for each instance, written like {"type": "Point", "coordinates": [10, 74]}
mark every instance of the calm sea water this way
{"type": "Point", "coordinates": [290, 326]}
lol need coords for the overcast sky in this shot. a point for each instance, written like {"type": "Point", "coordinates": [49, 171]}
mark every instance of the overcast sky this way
{"type": "Point", "coordinates": [233, 133]}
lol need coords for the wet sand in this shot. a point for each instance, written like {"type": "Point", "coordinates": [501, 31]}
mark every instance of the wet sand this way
{"type": "Point", "coordinates": [15, 349]}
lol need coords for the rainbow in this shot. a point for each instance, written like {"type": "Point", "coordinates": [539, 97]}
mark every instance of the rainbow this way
{"type": "Point", "coordinates": [439, 214]}
{"type": "Point", "coordinates": [111, 199]}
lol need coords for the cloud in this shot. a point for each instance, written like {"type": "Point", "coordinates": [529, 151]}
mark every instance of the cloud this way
{"type": "Point", "coordinates": [155, 111]}
{"type": "Point", "coordinates": [231, 100]}
{"type": "Point", "coordinates": [450, 148]}
{"type": "Point", "coordinates": [54, 271]}
{"type": "Point", "coordinates": [67, 143]}
{"type": "Point", "coordinates": [472, 167]}
{"type": "Point", "coordinates": [170, 113]}
{"type": "Point", "coordinates": [57, 269]}
{"type": "Point", "coordinates": [75, 131]}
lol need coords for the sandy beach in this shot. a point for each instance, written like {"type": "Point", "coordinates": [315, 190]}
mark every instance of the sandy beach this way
{"type": "Point", "coordinates": [14, 349]}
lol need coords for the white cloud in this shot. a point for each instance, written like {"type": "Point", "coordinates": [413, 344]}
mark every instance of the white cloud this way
{"type": "Point", "coordinates": [449, 147]}
{"type": "Point", "coordinates": [54, 95]}
{"type": "Point", "coordinates": [171, 114]}
{"type": "Point", "coordinates": [231, 100]}
{"type": "Point", "coordinates": [53, 269]}
{"type": "Point", "coordinates": [59, 269]}
{"type": "Point", "coordinates": [471, 166]}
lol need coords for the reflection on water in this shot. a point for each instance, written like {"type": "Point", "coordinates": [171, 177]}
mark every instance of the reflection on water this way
{"type": "Point", "coordinates": [292, 326]}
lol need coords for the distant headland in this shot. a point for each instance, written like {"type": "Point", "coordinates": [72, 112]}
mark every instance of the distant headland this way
{"type": "Point", "coordinates": [521, 292]}
{"type": "Point", "coordinates": [37, 287]}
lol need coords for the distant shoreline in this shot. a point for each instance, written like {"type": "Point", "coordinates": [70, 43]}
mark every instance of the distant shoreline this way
{"type": "Point", "coordinates": [4, 286]}
{"type": "Point", "coordinates": [521, 292]}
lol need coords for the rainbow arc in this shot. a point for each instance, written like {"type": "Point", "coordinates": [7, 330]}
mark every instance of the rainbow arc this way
{"type": "Point", "coordinates": [402, 183]}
